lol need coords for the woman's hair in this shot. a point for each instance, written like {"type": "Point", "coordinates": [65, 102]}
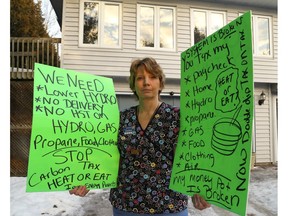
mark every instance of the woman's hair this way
{"type": "Point", "coordinates": [151, 66]}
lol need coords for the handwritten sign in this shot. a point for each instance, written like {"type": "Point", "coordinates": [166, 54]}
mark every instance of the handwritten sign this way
{"type": "Point", "coordinates": [214, 148]}
{"type": "Point", "coordinates": [74, 131]}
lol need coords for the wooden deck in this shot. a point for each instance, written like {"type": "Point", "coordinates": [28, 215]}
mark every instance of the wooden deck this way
{"type": "Point", "coordinates": [25, 51]}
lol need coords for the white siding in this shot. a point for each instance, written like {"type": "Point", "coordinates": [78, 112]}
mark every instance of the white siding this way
{"type": "Point", "coordinates": [183, 28]}
{"type": "Point", "coordinates": [111, 62]}
{"type": "Point", "coordinates": [116, 62]}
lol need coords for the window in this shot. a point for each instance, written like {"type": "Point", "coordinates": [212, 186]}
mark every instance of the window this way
{"type": "Point", "coordinates": [205, 23]}
{"type": "Point", "coordinates": [155, 27]}
{"type": "Point", "coordinates": [100, 24]}
{"type": "Point", "coordinates": [262, 45]}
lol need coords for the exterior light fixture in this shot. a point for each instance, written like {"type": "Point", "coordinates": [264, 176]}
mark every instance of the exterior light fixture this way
{"type": "Point", "coordinates": [262, 98]}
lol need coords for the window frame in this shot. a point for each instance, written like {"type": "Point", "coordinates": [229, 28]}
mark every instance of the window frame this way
{"type": "Point", "coordinates": [255, 36]}
{"type": "Point", "coordinates": [208, 20]}
{"type": "Point", "coordinates": [100, 43]}
{"type": "Point", "coordinates": [156, 28]}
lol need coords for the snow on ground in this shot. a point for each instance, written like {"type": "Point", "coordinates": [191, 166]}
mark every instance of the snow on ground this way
{"type": "Point", "coordinates": [262, 199]}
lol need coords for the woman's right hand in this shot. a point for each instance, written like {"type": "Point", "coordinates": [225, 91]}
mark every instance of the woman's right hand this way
{"type": "Point", "coordinates": [79, 191]}
{"type": "Point", "coordinates": [199, 202]}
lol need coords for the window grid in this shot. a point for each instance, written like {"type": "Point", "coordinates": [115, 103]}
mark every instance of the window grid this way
{"type": "Point", "coordinates": [262, 38]}
{"type": "Point", "coordinates": [197, 23]}
{"type": "Point", "coordinates": [255, 36]}
{"type": "Point", "coordinates": [157, 29]}
{"type": "Point", "coordinates": [108, 33]}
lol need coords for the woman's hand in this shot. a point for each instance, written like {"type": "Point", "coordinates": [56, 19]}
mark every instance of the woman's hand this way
{"type": "Point", "coordinates": [79, 191]}
{"type": "Point", "coordinates": [199, 202]}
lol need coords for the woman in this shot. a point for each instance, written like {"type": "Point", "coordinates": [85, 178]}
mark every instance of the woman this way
{"type": "Point", "coordinates": [147, 139]}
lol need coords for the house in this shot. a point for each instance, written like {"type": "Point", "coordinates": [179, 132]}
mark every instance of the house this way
{"type": "Point", "coordinates": [102, 37]}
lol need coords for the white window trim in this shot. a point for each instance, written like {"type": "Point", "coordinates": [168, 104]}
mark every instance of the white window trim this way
{"type": "Point", "coordinates": [156, 29]}
{"type": "Point", "coordinates": [255, 35]}
{"type": "Point", "coordinates": [101, 27]}
{"type": "Point", "coordinates": [208, 12]}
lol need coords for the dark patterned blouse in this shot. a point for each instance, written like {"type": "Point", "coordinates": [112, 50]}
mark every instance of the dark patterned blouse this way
{"type": "Point", "coordinates": [146, 158]}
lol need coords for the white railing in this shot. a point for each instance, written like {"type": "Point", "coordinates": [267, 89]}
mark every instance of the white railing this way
{"type": "Point", "coordinates": [25, 51]}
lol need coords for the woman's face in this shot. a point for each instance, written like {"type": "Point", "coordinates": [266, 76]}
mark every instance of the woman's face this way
{"type": "Point", "coordinates": [147, 85]}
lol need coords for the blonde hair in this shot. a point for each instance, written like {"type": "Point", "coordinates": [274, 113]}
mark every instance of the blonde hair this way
{"type": "Point", "coordinates": [151, 66]}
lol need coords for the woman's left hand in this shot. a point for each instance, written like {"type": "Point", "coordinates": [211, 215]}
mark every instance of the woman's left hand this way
{"type": "Point", "coordinates": [199, 202]}
{"type": "Point", "coordinates": [79, 191]}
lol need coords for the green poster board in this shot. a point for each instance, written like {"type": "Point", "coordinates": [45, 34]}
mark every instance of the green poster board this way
{"type": "Point", "coordinates": [74, 131]}
{"type": "Point", "coordinates": [215, 141]}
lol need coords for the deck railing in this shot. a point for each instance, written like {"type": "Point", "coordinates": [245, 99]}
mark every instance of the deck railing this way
{"type": "Point", "coordinates": [25, 51]}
